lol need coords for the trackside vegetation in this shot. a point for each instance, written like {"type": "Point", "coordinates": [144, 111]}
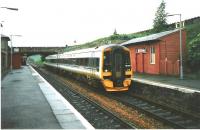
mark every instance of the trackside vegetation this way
{"type": "Point", "coordinates": [194, 54]}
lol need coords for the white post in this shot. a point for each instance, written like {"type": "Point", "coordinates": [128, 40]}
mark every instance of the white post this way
{"type": "Point", "coordinates": [181, 55]}
{"type": "Point", "coordinates": [11, 53]}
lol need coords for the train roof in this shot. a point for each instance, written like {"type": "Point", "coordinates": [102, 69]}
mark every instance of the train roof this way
{"type": "Point", "coordinates": [87, 52]}
{"type": "Point", "coordinates": [98, 48]}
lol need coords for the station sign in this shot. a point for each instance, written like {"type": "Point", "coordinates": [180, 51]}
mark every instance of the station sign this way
{"type": "Point", "coordinates": [141, 50]}
{"type": "Point", "coordinates": [16, 50]}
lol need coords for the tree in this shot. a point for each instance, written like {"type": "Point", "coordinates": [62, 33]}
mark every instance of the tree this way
{"type": "Point", "coordinates": [115, 32]}
{"type": "Point", "coordinates": [159, 23]}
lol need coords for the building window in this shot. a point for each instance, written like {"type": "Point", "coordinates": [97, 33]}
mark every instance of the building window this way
{"type": "Point", "coordinates": [152, 55]}
{"type": "Point", "coordinates": [136, 50]}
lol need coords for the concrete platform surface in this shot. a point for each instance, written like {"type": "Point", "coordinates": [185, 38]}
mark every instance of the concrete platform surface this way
{"type": "Point", "coordinates": [25, 106]}
{"type": "Point", "coordinates": [186, 85]}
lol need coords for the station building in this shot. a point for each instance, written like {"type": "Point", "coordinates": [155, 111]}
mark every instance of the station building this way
{"type": "Point", "coordinates": [5, 55]}
{"type": "Point", "coordinates": [157, 53]}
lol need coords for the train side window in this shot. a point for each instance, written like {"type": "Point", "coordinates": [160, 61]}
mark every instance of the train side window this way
{"type": "Point", "coordinates": [73, 61]}
{"type": "Point", "coordinates": [62, 61]}
{"type": "Point", "coordinates": [107, 62]}
{"type": "Point", "coordinates": [90, 62]}
{"type": "Point", "coordinates": [97, 64]}
{"type": "Point", "coordinates": [83, 61]}
{"type": "Point", "coordinates": [70, 61]}
{"type": "Point", "coordinates": [93, 62]}
{"type": "Point", "coordinates": [65, 61]}
{"type": "Point", "coordinates": [86, 61]}
{"type": "Point", "coordinates": [59, 61]}
{"type": "Point", "coordinates": [78, 61]}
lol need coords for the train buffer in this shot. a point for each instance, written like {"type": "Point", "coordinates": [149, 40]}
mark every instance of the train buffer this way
{"type": "Point", "coordinates": [29, 102]}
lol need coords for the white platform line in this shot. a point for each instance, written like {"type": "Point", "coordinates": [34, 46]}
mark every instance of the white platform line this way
{"type": "Point", "coordinates": [66, 103]}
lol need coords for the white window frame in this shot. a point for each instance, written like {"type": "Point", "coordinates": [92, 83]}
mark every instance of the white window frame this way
{"type": "Point", "coordinates": [136, 50]}
{"type": "Point", "coordinates": [152, 55]}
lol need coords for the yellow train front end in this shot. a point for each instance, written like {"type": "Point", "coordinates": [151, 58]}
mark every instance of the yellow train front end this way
{"type": "Point", "coordinates": [116, 71]}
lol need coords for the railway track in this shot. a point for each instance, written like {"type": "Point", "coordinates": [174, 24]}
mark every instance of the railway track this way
{"type": "Point", "coordinates": [171, 117]}
{"type": "Point", "coordinates": [166, 115]}
{"type": "Point", "coordinates": [94, 113]}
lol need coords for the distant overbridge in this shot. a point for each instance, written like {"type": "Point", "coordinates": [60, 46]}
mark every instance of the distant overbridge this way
{"type": "Point", "coordinates": [25, 52]}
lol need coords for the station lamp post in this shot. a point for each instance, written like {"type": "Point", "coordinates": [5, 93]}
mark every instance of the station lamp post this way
{"type": "Point", "coordinates": [11, 51]}
{"type": "Point", "coordinates": [181, 52]}
{"type": "Point", "coordinates": [9, 8]}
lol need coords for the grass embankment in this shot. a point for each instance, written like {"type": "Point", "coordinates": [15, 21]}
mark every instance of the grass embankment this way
{"type": "Point", "coordinates": [113, 39]}
{"type": "Point", "coordinates": [192, 28]}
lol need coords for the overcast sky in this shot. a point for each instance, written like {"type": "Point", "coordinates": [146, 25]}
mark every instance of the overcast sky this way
{"type": "Point", "coordinates": [61, 22]}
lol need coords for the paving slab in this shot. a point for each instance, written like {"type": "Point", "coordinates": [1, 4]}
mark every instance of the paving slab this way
{"type": "Point", "coordinates": [23, 106]}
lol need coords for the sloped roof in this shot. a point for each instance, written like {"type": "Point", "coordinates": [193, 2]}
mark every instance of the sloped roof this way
{"type": "Point", "coordinates": [6, 37]}
{"type": "Point", "coordinates": [151, 37]}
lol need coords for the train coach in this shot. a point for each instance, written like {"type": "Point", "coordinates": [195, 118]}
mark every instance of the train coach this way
{"type": "Point", "coordinates": [109, 64]}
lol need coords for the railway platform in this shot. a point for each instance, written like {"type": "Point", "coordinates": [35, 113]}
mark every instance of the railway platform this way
{"type": "Point", "coordinates": [187, 84]}
{"type": "Point", "coordinates": [30, 102]}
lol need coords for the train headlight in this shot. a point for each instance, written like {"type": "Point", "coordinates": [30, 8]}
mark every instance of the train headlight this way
{"type": "Point", "coordinates": [127, 83]}
{"type": "Point", "coordinates": [105, 70]}
{"type": "Point", "coordinates": [108, 83]}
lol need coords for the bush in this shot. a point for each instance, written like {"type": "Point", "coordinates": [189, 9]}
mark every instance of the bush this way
{"type": "Point", "coordinates": [119, 37]}
{"type": "Point", "coordinates": [194, 53]}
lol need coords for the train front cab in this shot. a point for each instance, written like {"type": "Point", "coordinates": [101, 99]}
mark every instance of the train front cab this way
{"type": "Point", "coordinates": [116, 72]}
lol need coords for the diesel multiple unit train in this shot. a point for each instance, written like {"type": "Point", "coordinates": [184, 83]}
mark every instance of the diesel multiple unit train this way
{"type": "Point", "coordinates": [109, 65]}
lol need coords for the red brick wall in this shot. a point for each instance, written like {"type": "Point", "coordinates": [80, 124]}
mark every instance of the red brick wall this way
{"type": "Point", "coordinates": [16, 61]}
{"type": "Point", "coordinates": [170, 52]}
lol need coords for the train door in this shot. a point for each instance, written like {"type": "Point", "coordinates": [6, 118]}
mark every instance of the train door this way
{"type": "Point", "coordinates": [92, 63]}
{"type": "Point", "coordinates": [140, 62]}
{"type": "Point", "coordinates": [118, 66]}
